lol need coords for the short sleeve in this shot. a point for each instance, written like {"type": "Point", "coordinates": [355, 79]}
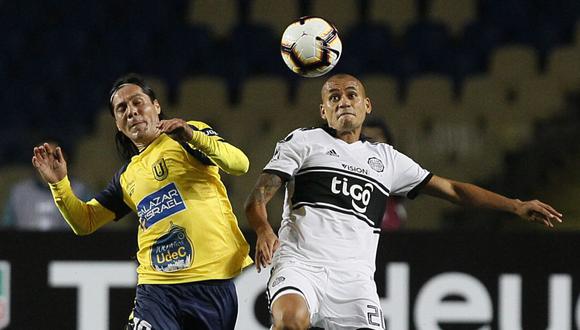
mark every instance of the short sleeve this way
{"type": "Point", "coordinates": [408, 176]}
{"type": "Point", "coordinates": [288, 156]}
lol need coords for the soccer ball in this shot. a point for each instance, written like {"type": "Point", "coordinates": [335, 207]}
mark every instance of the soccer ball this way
{"type": "Point", "coordinates": [310, 46]}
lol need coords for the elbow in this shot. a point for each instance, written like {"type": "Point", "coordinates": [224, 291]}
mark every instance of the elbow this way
{"type": "Point", "coordinates": [238, 172]}
{"type": "Point", "coordinates": [241, 169]}
{"type": "Point", "coordinates": [244, 166]}
{"type": "Point", "coordinates": [244, 170]}
{"type": "Point", "coordinates": [82, 231]}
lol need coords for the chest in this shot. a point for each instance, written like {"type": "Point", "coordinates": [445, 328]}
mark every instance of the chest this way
{"type": "Point", "coordinates": [155, 172]}
{"type": "Point", "coordinates": [359, 160]}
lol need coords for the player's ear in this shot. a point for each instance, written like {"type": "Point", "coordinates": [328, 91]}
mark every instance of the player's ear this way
{"type": "Point", "coordinates": [157, 106]}
{"type": "Point", "coordinates": [118, 127]}
{"type": "Point", "coordinates": [322, 112]}
{"type": "Point", "coordinates": [368, 105]}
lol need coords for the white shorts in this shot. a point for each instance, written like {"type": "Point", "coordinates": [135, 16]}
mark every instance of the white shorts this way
{"type": "Point", "coordinates": [336, 298]}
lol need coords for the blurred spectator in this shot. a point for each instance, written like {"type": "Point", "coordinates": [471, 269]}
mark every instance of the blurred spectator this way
{"type": "Point", "coordinates": [376, 130]}
{"type": "Point", "coordinates": [30, 205]}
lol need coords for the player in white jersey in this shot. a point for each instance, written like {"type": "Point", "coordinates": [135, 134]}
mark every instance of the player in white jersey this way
{"type": "Point", "coordinates": [336, 187]}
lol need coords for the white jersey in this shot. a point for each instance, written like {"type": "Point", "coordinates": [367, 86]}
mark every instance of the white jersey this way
{"type": "Point", "coordinates": [336, 196]}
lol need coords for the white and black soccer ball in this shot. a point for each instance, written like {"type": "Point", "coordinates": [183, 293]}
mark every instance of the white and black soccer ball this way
{"type": "Point", "coordinates": [310, 46]}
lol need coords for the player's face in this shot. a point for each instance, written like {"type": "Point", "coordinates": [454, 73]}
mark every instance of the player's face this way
{"type": "Point", "coordinates": [344, 103]}
{"type": "Point", "coordinates": [135, 114]}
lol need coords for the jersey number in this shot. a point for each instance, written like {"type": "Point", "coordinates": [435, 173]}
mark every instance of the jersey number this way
{"type": "Point", "coordinates": [375, 316]}
{"type": "Point", "coordinates": [141, 324]}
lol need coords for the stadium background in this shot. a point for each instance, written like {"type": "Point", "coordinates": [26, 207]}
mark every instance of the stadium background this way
{"type": "Point", "coordinates": [480, 90]}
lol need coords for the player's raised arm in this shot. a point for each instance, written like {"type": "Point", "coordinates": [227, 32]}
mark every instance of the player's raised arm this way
{"type": "Point", "coordinates": [267, 241]}
{"type": "Point", "coordinates": [474, 196]}
{"type": "Point", "coordinates": [83, 218]}
{"type": "Point", "coordinates": [226, 156]}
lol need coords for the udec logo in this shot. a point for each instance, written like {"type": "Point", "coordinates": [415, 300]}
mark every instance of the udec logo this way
{"type": "Point", "coordinates": [361, 195]}
{"type": "Point", "coordinates": [172, 251]}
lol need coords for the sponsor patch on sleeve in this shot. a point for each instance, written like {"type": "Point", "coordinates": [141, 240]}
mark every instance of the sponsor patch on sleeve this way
{"type": "Point", "coordinates": [209, 132]}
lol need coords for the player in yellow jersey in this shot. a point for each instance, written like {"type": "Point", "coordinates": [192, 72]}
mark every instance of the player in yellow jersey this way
{"type": "Point", "coordinates": [190, 246]}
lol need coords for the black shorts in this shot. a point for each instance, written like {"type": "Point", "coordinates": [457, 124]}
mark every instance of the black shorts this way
{"type": "Point", "coordinates": [198, 305]}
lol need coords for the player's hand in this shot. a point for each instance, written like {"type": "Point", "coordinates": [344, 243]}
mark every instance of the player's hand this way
{"type": "Point", "coordinates": [49, 162]}
{"type": "Point", "coordinates": [177, 129]}
{"type": "Point", "coordinates": [266, 244]}
{"type": "Point", "coordinates": [536, 211]}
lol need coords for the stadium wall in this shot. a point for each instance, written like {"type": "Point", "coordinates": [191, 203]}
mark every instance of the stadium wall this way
{"type": "Point", "coordinates": [425, 280]}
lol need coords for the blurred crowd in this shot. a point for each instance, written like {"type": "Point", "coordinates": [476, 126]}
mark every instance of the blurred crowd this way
{"type": "Point", "coordinates": [57, 60]}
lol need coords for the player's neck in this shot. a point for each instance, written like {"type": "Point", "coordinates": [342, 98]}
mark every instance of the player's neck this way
{"type": "Point", "coordinates": [348, 136]}
{"type": "Point", "coordinates": [144, 142]}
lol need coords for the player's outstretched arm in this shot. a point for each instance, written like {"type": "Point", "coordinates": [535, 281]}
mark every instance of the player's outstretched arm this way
{"type": "Point", "coordinates": [83, 218]}
{"type": "Point", "coordinates": [267, 242]}
{"type": "Point", "coordinates": [474, 196]}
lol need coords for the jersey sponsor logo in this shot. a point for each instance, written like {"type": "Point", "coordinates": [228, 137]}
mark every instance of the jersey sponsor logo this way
{"type": "Point", "coordinates": [159, 205]}
{"type": "Point", "coordinates": [172, 251]}
{"type": "Point", "coordinates": [4, 294]}
{"type": "Point", "coordinates": [376, 164]}
{"type": "Point", "coordinates": [160, 170]}
{"type": "Point", "coordinates": [338, 190]}
{"type": "Point", "coordinates": [355, 169]}
{"type": "Point", "coordinates": [361, 195]}
{"type": "Point", "coordinates": [209, 132]}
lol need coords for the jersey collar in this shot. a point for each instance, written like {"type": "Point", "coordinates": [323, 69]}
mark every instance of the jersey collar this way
{"type": "Point", "coordinates": [332, 132]}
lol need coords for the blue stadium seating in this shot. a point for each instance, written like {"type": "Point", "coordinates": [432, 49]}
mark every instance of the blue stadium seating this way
{"type": "Point", "coordinates": [67, 53]}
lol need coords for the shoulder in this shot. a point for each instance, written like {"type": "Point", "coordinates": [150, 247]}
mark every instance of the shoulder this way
{"type": "Point", "coordinates": [380, 146]}
{"type": "Point", "coordinates": [122, 170]}
{"type": "Point", "coordinates": [302, 133]}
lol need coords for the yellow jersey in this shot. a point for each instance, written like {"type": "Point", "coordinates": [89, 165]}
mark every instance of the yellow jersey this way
{"type": "Point", "coordinates": [187, 229]}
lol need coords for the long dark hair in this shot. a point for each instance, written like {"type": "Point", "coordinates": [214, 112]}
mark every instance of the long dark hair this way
{"type": "Point", "coordinates": [125, 147]}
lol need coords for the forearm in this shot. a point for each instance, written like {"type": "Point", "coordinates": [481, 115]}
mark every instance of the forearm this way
{"type": "Point", "coordinates": [471, 195]}
{"type": "Point", "coordinates": [83, 218]}
{"type": "Point", "coordinates": [257, 216]}
{"type": "Point", "coordinates": [467, 194]}
{"type": "Point", "coordinates": [229, 158]}
{"type": "Point", "coordinates": [256, 204]}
